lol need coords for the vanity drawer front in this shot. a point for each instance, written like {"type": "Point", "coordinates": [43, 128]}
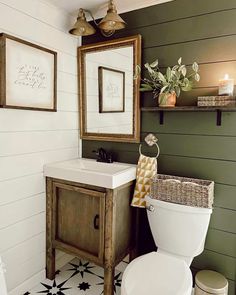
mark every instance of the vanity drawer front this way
{"type": "Point", "coordinates": [79, 219]}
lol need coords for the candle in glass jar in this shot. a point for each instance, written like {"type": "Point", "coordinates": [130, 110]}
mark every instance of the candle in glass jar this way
{"type": "Point", "coordinates": [226, 86]}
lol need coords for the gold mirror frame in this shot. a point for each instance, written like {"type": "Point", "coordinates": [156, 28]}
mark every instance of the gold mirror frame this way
{"type": "Point", "coordinates": [134, 41]}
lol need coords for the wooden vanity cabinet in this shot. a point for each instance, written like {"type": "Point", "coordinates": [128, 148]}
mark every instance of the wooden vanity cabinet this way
{"type": "Point", "coordinates": [91, 222]}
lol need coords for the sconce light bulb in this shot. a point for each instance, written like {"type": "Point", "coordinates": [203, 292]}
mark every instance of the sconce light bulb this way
{"type": "Point", "coordinates": [226, 77]}
{"type": "Point", "coordinates": [112, 23]}
{"type": "Point", "coordinates": [81, 30]}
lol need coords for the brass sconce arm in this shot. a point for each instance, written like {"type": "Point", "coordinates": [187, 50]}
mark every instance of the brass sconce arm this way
{"type": "Point", "coordinates": [108, 25]}
{"type": "Point", "coordinates": [90, 13]}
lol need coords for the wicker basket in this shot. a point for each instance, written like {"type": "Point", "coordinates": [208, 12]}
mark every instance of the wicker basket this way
{"type": "Point", "coordinates": [183, 190]}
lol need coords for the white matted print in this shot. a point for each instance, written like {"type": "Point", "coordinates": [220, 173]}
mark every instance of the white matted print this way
{"type": "Point", "coordinates": [30, 76]}
{"type": "Point", "coordinates": [111, 90]}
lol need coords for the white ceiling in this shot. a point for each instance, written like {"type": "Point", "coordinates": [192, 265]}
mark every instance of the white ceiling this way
{"type": "Point", "coordinates": [99, 7]}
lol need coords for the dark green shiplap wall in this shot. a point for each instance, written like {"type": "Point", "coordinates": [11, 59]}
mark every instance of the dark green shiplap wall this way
{"type": "Point", "coordinates": [191, 143]}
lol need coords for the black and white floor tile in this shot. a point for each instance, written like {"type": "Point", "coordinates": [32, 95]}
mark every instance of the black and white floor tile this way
{"type": "Point", "coordinates": [78, 277]}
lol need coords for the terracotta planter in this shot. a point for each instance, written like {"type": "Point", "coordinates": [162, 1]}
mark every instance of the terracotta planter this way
{"type": "Point", "coordinates": [167, 100]}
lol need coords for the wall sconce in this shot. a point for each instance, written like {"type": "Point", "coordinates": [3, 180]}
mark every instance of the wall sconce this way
{"type": "Point", "coordinates": [108, 25]}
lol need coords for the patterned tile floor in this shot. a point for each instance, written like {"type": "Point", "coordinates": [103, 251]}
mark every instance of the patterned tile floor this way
{"type": "Point", "coordinates": [78, 277]}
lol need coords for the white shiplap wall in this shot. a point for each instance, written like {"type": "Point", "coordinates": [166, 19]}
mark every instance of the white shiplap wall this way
{"type": "Point", "coordinates": [29, 139]}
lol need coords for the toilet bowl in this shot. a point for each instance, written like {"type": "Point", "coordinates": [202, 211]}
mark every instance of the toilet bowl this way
{"type": "Point", "coordinates": [179, 232]}
{"type": "Point", "coordinates": [3, 288]}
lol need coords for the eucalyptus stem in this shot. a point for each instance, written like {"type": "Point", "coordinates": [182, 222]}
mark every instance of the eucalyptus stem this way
{"type": "Point", "coordinates": [174, 80]}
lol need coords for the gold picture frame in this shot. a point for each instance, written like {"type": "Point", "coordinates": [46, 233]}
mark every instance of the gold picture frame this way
{"type": "Point", "coordinates": [83, 53]}
{"type": "Point", "coordinates": [111, 99]}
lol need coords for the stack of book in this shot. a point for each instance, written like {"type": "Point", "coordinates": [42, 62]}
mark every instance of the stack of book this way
{"type": "Point", "coordinates": [216, 101]}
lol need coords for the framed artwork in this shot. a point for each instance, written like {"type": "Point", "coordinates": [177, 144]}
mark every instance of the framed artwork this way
{"type": "Point", "coordinates": [28, 75]}
{"type": "Point", "coordinates": [111, 90]}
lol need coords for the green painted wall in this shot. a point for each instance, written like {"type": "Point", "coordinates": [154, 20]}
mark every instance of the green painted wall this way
{"type": "Point", "coordinates": [191, 144]}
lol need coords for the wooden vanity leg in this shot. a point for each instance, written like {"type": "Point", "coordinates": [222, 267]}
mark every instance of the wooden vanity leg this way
{"type": "Point", "coordinates": [50, 264]}
{"type": "Point", "coordinates": [109, 273]}
{"type": "Point", "coordinates": [50, 251]}
{"type": "Point", "coordinates": [109, 255]}
{"type": "Point", "coordinates": [135, 234]}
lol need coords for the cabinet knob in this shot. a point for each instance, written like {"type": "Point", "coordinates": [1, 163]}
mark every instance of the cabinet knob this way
{"type": "Point", "coordinates": [96, 221]}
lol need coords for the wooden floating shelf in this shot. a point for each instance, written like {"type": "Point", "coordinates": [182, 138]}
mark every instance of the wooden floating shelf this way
{"type": "Point", "coordinates": [189, 109]}
{"type": "Point", "coordinates": [218, 111]}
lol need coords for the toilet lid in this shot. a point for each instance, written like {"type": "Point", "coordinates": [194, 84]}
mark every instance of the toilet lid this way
{"type": "Point", "coordinates": [157, 274]}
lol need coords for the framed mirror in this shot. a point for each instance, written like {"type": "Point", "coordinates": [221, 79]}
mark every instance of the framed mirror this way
{"type": "Point", "coordinates": [109, 94]}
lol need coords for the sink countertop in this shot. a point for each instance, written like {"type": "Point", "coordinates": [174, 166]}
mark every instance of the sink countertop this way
{"type": "Point", "coordinates": [88, 171]}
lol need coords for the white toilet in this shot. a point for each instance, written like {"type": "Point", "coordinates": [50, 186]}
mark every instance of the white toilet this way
{"type": "Point", "coordinates": [3, 288]}
{"type": "Point", "coordinates": [179, 232]}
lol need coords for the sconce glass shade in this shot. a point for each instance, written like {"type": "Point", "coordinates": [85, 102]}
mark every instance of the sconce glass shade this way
{"type": "Point", "coordinates": [112, 21]}
{"type": "Point", "coordinates": [82, 27]}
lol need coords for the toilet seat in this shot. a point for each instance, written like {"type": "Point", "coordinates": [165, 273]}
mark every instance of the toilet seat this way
{"type": "Point", "coordinates": [157, 273]}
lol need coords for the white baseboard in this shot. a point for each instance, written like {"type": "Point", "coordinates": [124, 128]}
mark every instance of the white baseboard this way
{"type": "Point", "coordinates": [29, 284]}
{"type": "Point", "coordinates": [63, 260]}
{"type": "Point", "coordinates": [126, 259]}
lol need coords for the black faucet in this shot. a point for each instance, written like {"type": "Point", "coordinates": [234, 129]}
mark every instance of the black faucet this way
{"type": "Point", "coordinates": [103, 156]}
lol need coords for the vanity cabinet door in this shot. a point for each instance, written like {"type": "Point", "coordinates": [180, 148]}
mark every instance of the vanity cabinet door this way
{"type": "Point", "coordinates": [79, 220]}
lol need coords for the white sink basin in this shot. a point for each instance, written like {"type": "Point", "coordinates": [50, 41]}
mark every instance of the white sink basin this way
{"type": "Point", "coordinates": [108, 175]}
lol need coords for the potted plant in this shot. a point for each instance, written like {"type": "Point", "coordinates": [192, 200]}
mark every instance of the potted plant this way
{"type": "Point", "coordinates": [166, 87]}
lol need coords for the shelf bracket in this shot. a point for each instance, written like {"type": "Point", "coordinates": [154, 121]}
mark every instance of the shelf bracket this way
{"type": "Point", "coordinates": [218, 117]}
{"type": "Point", "coordinates": [161, 117]}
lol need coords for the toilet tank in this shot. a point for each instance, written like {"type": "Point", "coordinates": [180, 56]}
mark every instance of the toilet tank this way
{"type": "Point", "coordinates": [177, 229]}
